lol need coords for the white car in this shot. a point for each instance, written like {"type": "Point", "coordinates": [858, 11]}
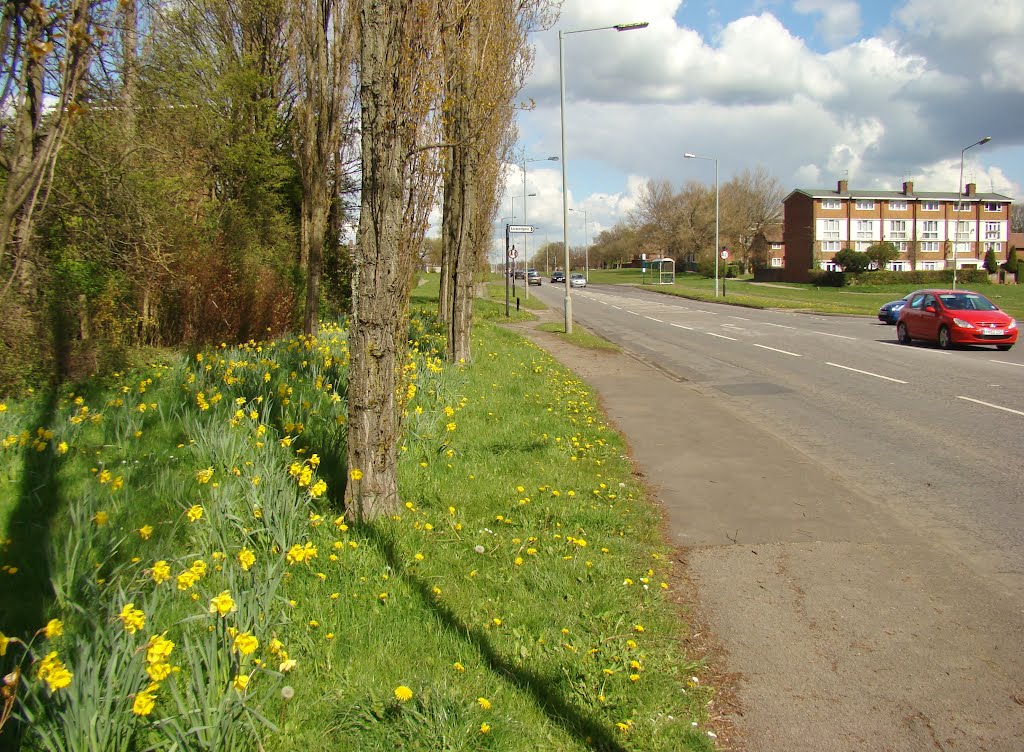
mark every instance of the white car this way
{"type": "Point", "coordinates": [577, 280]}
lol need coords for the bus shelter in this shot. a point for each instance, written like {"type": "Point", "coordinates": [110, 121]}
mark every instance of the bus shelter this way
{"type": "Point", "coordinates": [659, 271]}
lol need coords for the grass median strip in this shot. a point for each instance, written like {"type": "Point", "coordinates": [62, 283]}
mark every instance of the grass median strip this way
{"type": "Point", "coordinates": [177, 569]}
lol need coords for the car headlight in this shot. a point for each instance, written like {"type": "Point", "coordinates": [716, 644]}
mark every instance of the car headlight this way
{"type": "Point", "coordinates": [963, 324]}
{"type": "Point", "coordinates": [1012, 324]}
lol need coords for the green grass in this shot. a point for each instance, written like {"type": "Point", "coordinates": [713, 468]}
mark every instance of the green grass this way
{"type": "Point", "coordinates": [525, 566]}
{"type": "Point", "coordinates": [580, 337]}
{"type": "Point", "coordinates": [861, 300]}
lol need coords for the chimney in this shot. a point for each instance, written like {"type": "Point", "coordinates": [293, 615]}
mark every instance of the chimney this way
{"type": "Point", "coordinates": [972, 189]}
{"type": "Point", "coordinates": [842, 186]}
{"type": "Point", "coordinates": [908, 187]}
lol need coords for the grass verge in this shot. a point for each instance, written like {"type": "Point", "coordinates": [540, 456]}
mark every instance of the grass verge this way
{"type": "Point", "coordinates": [176, 572]}
{"type": "Point", "coordinates": [580, 337]}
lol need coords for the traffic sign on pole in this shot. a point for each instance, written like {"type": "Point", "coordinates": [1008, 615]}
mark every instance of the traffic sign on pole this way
{"type": "Point", "coordinates": [520, 228]}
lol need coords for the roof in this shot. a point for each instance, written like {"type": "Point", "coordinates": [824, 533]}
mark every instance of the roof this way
{"type": "Point", "coordinates": [889, 195]}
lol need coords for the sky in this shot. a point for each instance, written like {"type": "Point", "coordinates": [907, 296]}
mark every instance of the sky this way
{"type": "Point", "coordinates": [814, 91]}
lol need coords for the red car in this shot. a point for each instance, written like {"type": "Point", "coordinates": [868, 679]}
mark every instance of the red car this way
{"type": "Point", "coordinates": [955, 317]}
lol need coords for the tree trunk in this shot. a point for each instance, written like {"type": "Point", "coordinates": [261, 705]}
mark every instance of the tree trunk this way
{"type": "Point", "coordinates": [383, 273]}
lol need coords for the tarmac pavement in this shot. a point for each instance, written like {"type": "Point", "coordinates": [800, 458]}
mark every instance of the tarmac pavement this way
{"type": "Point", "coordinates": [847, 627]}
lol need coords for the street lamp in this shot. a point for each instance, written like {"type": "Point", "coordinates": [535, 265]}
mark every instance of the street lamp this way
{"type": "Point", "coordinates": [586, 238]}
{"type": "Point", "coordinates": [565, 179]}
{"type": "Point", "coordinates": [525, 194]}
{"type": "Point", "coordinates": [688, 155]}
{"type": "Point", "coordinates": [959, 201]}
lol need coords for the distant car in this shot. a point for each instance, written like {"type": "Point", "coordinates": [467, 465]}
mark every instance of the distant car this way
{"type": "Point", "coordinates": [520, 274]}
{"type": "Point", "coordinates": [577, 280]}
{"type": "Point", "coordinates": [558, 276]}
{"type": "Point", "coordinates": [890, 312]}
{"type": "Point", "coordinates": [532, 277]}
{"type": "Point", "coordinates": [955, 317]}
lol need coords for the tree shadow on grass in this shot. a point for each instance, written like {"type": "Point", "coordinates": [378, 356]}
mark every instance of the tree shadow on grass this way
{"type": "Point", "coordinates": [571, 718]}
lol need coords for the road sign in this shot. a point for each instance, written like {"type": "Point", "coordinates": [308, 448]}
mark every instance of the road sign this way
{"type": "Point", "coordinates": [725, 254]}
{"type": "Point", "coordinates": [520, 228]}
{"type": "Point", "coordinates": [512, 252]}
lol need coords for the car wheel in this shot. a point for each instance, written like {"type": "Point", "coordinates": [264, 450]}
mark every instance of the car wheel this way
{"type": "Point", "coordinates": [945, 341]}
{"type": "Point", "coordinates": [1004, 348]}
{"type": "Point", "coordinates": [902, 334]}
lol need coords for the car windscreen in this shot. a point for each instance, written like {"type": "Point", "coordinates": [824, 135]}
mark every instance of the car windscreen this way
{"type": "Point", "coordinates": [960, 301]}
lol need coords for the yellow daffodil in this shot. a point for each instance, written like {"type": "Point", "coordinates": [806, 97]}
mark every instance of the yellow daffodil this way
{"type": "Point", "coordinates": [132, 618]}
{"type": "Point", "coordinates": [146, 531]}
{"type": "Point", "coordinates": [355, 474]}
{"type": "Point", "coordinates": [222, 604]}
{"type": "Point", "coordinates": [246, 559]}
{"type": "Point", "coordinates": [240, 683]}
{"type": "Point", "coordinates": [53, 671]}
{"type": "Point", "coordinates": [195, 513]}
{"type": "Point", "coordinates": [245, 643]}
{"type": "Point", "coordinates": [161, 571]}
{"type": "Point", "coordinates": [53, 628]}
{"type": "Point", "coordinates": [145, 700]}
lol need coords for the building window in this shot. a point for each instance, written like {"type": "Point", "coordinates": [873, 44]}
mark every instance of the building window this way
{"type": "Point", "coordinates": [830, 266]}
{"type": "Point", "coordinates": [929, 206]}
{"type": "Point", "coordinates": [996, 248]}
{"type": "Point", "coordinates": [830, 229]}
{"type": "Point", "coordinates": [929, 246]}
{"type": "Point", "coordinates": [830, 246]}
{"type": "Point", "coordinates": [865, 204]}
{"type": "Point", "coordinates": [961, 206]}
{"type": "Point", "coordinates": [831, 203]}
{"type": "Point", "coordinates": [898, 266]}
{"type": "Point", "coordinates": [898, 229]}
{"type": "Point", "coordinates": [776, 246]}
{"type": "Point", "coordinates": [992, 230]}
{"type": "Point", "coordinates": [865, 229]}
{"type": "Point", "coordinates": [993, 207]}
{"type": "Point", "coordinates": [898, 205]}
{"type": "Point", "coordinates": [929, 266]}
{"type": "Point", "coordinates": [901, 246]}
{"type": "Point", "coordinates": [930, 229]}
{"type": "Point", "coordinates": [963, 230]}
{"type": "Point", "coordinates": [862, 245]}
{"type": "Point", "coordinates": [776, 261]}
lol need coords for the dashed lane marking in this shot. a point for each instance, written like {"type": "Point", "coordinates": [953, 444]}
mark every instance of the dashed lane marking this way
{"type": "Point", "coordinates": [721, 336]}
{"type": "Point", "coordinates": [828, 334]}
{"type": "Point", "coordinates": [775, 349]}
{"type": "Point", "coordinates": [866, 373]}
{"type": "Point", "coordinates": [680, 326]}
{"type": "Point", "coordinates": [989, 404]}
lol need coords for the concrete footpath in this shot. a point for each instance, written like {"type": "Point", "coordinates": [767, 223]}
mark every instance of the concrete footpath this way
{"type": "Point", "coordinates": [842, 626]}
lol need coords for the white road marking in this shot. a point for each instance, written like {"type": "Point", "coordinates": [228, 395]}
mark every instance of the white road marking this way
{"type": "Point", "coordinates": [721, 336]}
{"type": "Point", "coordinates": [739, 318]}
{"type": "Point", "coordinates": [866, 373]}
{"type": "Point", "coordinates": [989, 404]}
{"type": "Point", "coordinates": [827, 334]}
{"type": "Point", "coordinates": [680, 326]}
{"type": "Point", "coordinates": [1008, 363]}
{"type": "Point", "coordinates": [633, 312]}
{"type": "Point", "coordinates": [654, 319]}
{"type": "Point", "coordinates": [916, 349]}
{"type": "Point", "coordinates": [782, 326]}
{"type": "Point", "coordinates": [775, 349]}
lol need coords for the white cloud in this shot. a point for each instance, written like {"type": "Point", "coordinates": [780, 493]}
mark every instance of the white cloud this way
{"type": "Point", "coordinates": [840, 19]}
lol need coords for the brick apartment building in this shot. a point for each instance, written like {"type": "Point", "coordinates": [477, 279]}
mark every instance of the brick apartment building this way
{"type": "Point", "coordinates": [926, 227]}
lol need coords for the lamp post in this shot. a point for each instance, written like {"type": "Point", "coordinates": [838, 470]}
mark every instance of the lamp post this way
{"type": "Point", "coordinates": [525, 194]}
{"type": "Point", "coordinates": [959, 201]}
{"type": "Point", "coordinates": [688, 155]}
{"type": "Point", "coordinates": [586, 239]}
{"type": "Point", "coordinates": [565, 179]}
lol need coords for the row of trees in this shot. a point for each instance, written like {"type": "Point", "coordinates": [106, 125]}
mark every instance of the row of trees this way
{"type": "Point", "coordinates": [214, 157]}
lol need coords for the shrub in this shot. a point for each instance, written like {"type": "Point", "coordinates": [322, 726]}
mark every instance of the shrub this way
{"type": "Point", "coordinates": [852, 261]}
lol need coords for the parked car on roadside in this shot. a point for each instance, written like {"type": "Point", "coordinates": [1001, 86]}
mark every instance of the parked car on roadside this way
{"type": "Point", "coordinates": [890, 312]}
{"type": "Point", "coordinates": [532, 277]}
{"type": "Point", "coordinates": [558, 276]}
{"type": "Point", "coordinates": [955, 317]}
{"type": "Point", "coordinates": [577, 280]}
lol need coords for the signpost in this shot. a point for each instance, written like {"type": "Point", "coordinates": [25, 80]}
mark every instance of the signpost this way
{"type": "Point", "coordinates": [510, 255]}
{"type": "Point", "coordinates": [725, 257]}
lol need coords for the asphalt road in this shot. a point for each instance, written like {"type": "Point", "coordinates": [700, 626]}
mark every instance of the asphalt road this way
{"type": "Point", "coordinates": [850, 511]}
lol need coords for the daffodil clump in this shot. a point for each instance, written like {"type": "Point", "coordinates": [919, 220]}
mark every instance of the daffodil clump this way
{"type": "Point", "coordinates": [210, 593]}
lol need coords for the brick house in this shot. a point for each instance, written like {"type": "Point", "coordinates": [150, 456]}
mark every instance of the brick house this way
{"type": "Point", "coordinates": [929, 229]}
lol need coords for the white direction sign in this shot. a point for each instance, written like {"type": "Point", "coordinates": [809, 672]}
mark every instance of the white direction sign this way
{"type": "Point", "coordinates": [520, 228]}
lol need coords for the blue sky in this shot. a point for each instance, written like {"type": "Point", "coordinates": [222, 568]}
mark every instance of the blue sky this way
{"type": "Point", "coordinates": [811, 90]}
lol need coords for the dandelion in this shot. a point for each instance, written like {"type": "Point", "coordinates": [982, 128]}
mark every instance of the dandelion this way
{"type": "Point", "coordinates": [145, 700]}
{"type": "Point", "coordinates": [132, 618]}
{"type": "Point", "coordinates": [298, 554]}
{"type": "Point", "coordinates": [146, 531]}
{"type": "Point", "coordinates": [195, 513]}
{"type": "Point", "coordinates": [485, 728]}
{"type": "Point", "coordinates": [240, 683]}
{"type": "Point", "coordinates": [639, 628]}
{"type": "Point", "coordinates": [223, 604]}
{"type": "Point", "coordinates": [478, 549]}
{"type": "Point", "coordinates": [62, 448]}
{"type": "Point", "coordinates": [458, 667]}
{"type": "Point", "coordinates": [355, 474]}
{"type": "Point", "coordinates": [403, 693]}
{"type": "Point", "coordinates": [484, 703]}
{"type": "Point", "coordinates": [53, 628]}
{"type": "Point", "coordinates": [101, 518]}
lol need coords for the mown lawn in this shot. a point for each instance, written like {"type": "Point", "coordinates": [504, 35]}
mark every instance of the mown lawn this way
{"type": "Point", "coordinates": [862, 300]}
{"type": "Point", "coordinates": [177, 573]}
